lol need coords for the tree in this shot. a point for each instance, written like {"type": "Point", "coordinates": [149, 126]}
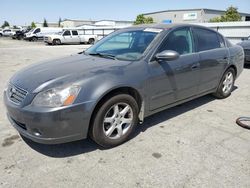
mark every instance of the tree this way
{"type": "Point", "coordinates": [33, 25]}
{"type": "Point", "coordinates": [231, 15]}
{"type": "Point", "coordinates": [141, 19]}
{"type": "Point", "coordinates": [59, 22]}
{"type": "Point", "coordinates": [45, 24]}
{"type": "Point", "coordinates": [15, 27]}
{"type": "Point", "coordinates": [5, 24]}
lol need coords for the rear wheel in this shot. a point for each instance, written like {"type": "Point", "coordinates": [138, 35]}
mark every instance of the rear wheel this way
{"type": "Point", "coordinates": [91, 41]}
{"type": "Point", "coordinates": [226, 85]}
{"type": "Point", "coordinates": [114, 121]}
{"type": "Point", "coordinates": [34, 39]}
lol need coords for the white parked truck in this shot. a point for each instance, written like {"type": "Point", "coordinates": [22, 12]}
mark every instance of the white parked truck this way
{"type": "Point", "coordinates": [40, 32]}
{"type": "Point", "coordinates": [69, 37]}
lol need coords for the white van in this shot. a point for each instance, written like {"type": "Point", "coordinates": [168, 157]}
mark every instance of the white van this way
{"type": "Point", "coordinates": [40, 32]}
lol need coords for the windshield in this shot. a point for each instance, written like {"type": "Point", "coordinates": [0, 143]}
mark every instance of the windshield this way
{"type": "Point", "coordinates": [127, 45]}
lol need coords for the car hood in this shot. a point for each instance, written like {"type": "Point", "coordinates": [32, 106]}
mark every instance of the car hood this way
{"type": "Point", "coordinates": [70, 69]}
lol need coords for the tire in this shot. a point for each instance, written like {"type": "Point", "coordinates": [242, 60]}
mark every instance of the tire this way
{"type": "Point", "coordinates": [34, 39]}
{"type": "Point", "coordinates": [115, 111]}
{"type": "Point", "coordinates": [1, 34]}
{"type": "Point", "coordinates": [91, 41]}
{"type": "Point", "coordinates": [226, 85]}
{"type": "Point", "coordinates": [56, 42]}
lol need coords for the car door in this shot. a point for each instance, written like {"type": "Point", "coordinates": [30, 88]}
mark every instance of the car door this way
{"type": "Point", "coordinates": [175, 80]}
{"type": "Point", "coordinates": [75, 37]}
{"type": "Point", "coordinates": [213, 57]}
{"type": "Point", "coordinates": [67, 37]}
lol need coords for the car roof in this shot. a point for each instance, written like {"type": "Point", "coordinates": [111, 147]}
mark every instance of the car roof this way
{"type": "Point", "coordinates": [166, 26]}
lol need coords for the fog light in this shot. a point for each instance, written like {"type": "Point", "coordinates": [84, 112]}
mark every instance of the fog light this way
{"type": "Point", "coordinates": [36, 132]}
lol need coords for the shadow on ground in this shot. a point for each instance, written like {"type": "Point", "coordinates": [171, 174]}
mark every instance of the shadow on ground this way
{"type": "Point", "coordinates": [85, 146]}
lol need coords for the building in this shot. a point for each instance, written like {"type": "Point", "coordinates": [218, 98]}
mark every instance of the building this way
{"type": "Point", "coordinates": [76, 23]}
{"type": "Point", "coordinates": [50, 24]}
{"type": "Point", "coordinates": [79, 23]}
{"type": "Point", "coordinates": [189, 15]}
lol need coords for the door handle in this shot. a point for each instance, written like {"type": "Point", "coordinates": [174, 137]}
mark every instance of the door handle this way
{"type": "Point", "coordinates": [195, 66]}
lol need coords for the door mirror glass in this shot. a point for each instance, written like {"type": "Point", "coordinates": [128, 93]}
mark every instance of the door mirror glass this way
{"type": "Point", "coordinates": [168, 55]}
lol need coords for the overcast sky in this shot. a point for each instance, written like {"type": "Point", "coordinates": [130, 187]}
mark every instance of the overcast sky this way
{"type": "Point", "coordinates": [21, 12]}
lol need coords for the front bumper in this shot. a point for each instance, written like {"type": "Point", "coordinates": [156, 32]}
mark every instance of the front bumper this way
{"type": "Point", "coordinates": [50, 125]}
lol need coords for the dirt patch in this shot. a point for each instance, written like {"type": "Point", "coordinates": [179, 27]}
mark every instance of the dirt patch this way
{"type": "Point", "coordinates": [10, 140]}
{"type": "Point", "coordinates": [157, 155]}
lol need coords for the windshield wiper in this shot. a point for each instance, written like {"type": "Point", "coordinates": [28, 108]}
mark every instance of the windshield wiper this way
{"type": "Point", "coordinates": [103, 55]}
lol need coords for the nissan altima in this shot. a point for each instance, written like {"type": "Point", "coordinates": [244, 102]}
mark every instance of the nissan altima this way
{"type": "Point", "coordinates": [131, 74]}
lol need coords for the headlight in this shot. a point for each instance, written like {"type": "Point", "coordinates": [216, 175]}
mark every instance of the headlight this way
{"type": "Point", "coordinates": [57, 97]}
{"type": "Point", "coordinates": [49, 38]}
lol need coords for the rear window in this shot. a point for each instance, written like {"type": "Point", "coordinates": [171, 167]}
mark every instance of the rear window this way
{"type": "Point", "coordinates": [206, 39]}
{"type": "Point", "coordinates": [74, 33]}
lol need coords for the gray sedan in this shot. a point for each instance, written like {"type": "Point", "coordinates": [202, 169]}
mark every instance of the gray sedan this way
{"type": "Point", "coordinates": [131, 74]}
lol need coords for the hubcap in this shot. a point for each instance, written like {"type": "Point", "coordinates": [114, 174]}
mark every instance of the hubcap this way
{"type": "Point", "coordinates": [117, 120]}
{"type": "Point", "coordinates": [228, 83]}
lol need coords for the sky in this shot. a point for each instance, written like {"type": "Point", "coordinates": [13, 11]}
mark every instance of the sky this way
{"type": "Point", "coordinates": [23, 12]}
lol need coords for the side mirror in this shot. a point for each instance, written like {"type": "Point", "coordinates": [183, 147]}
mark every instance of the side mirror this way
{"type": "Point", "coordinates": [168, 55]}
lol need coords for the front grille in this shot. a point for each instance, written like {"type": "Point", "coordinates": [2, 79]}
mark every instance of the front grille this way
{"type": "Point", "coordinates": [247, 52]}
{"type": "Point", "coordinates": [46, 38]}
{"type": "Point", "coordinates": [16, 94]}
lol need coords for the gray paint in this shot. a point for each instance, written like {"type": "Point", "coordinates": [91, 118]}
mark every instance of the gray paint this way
{"type": "Point", "coordinates": [160, 85]}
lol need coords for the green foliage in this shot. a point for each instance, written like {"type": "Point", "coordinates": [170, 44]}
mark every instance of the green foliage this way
{"type": "Point", "coordinates": [15, 27]}
{"type": "Point", "coordinates": [45, 24]}
{"type": "Point", "coordinates": [141, 19]}
{"type": "Point", "coordinates": [215, 19]}
{"type": "Point", "coordinates": [59, 22]}
{"type": "Point", "coordinates": [5, 24]}
{"type": "Point", "coordinates": [33, 25]}
{"type": "Point", "coordinates": [231, 15]}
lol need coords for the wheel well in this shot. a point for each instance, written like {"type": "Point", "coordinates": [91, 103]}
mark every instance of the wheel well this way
{"type": "Point", "coordinates": [235, 69]}
{"type": "Point", "coordinates": [123, 90]}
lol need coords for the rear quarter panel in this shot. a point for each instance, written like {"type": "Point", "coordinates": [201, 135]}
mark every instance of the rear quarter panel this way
{"type": "Point", "coordinates": [236, 58]}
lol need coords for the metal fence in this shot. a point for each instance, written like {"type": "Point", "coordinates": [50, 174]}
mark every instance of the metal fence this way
{"type": "Point", "coordinates": [96, 31]}
{"type": "Point", "coordinates": [234, 31]}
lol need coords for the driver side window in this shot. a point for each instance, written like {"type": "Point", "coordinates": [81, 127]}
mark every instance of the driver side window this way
{"type": "Point", "coordinates": [178, 40]}
{"type": "Point", "coordinates": [66, 33]}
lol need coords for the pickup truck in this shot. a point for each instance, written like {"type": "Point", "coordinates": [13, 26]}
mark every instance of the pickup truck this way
{"type": "Point", "coordinates": [69, 37]}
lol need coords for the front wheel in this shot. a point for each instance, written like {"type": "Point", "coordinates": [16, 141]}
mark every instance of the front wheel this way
{"type": "Point", "coordinates": [56, 42]}
{"type": "Point", "coordinates": [226, 85]}
{"type": "Point", "coordinates": [114, 121]}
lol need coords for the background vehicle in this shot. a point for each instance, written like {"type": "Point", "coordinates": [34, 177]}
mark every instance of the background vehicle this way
{"type": "Point", "coordinates": [8, 32]}
{"type": "Point", "coordinates": [40, 32]}
{"type": "Point", "coordinates": [246, 46]}
{"type": "Point", "coordinates": [69, 37]}
{"type": "Point", "coordinates": [19, 34]}
{"type": "Point", "coordinates": [128, 75]}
